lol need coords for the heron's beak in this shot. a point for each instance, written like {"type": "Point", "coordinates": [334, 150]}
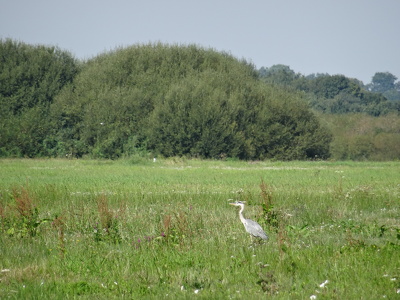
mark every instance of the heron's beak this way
{"type": "Point", "coordinates": [232, 204]}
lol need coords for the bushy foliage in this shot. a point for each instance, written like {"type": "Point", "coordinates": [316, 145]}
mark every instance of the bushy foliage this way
{"type": "Point", "coordinates": [363, 137]}
{"type": "Point", "coordinates": [30, 77]}
{"type": "Point", "coordinates": [182, 101]}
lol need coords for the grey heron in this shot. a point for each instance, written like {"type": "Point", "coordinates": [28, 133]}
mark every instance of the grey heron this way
{"type": "Point", "coordinates": [251, 226]}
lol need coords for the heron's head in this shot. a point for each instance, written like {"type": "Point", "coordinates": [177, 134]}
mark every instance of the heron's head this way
{"type": "Point", "coordinates": [237, 203]}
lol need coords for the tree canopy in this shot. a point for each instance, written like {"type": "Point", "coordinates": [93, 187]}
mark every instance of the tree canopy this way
{"type": "Point", "coordinates": [182, 100]}
{"type": "Point", "coordinates": [30, 78]}
{"type": "Point", "coordinates": [385, 83]}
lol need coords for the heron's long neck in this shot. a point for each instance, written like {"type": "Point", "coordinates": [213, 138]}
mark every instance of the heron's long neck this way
{"type": "Point", "coordinates": [241, 214]}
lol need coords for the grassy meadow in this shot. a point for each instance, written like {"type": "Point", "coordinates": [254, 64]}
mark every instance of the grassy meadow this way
{"type": "Point", "coordinates": [94, 229]}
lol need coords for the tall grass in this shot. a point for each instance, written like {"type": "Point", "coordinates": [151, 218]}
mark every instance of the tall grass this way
{"type": "Point", "coordinates": [106, 229]}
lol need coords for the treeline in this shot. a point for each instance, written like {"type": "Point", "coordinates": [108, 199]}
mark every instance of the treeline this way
{"type": "Point", "coordinates": [166, 100]}
{"type": "Point", "coordinates": [170, 100]}
{"type": "Point", "coordinates": [338, 94]}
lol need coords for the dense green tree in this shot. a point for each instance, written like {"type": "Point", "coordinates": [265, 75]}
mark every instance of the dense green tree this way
{"type": "Point", "coordinates": [194, 119]}
{"type": "Point", "coordinates": [285, 128]}
{"type": "Point", "coordinates": [278, 74]}
{"type": "Point", "coordinates": [382, 82]}
{"type": "Point", "coordinates": [32, 75]}
{"type": "Point", "coordinates": [30, 78]}
{"type": "Point", "coordinates": [181, 100]}
{"type": "Point", "coordinates": [330, 86]}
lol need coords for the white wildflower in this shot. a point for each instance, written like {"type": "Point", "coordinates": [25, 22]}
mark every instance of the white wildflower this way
{"type": "Point", "coordinates": [324, 283]}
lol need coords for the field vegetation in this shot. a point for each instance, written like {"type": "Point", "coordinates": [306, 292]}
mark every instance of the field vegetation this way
{"type": "Point", "coordinates": [139, 228]}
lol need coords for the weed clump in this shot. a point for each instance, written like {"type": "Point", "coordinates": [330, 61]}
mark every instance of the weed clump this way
{"type": "Point", "coordinates": [270, 214]}
{"type": "Point", "coordinates": [109, 224]}
{"type": "Point", "coordinates": [59, 224]}
{"type": "Point", "coordinates": [23, 219]}
{"type": "Point", "coordinates": [273, 217]}
{"type": "Point", "coordinates": [176, 228]}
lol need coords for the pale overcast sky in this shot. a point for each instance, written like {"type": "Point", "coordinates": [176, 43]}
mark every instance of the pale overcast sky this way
{"type": "Point", "coordinates": [355, 38]}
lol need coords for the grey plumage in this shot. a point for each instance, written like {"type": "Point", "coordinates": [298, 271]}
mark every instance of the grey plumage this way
{"type": "Point", "coordinates": [251, 226]}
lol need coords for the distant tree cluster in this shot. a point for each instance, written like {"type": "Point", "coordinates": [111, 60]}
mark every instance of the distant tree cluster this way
{"type": "Point", "coordinates": [364, 119]}
{"type": "Point", "coordinates": [338, 94]}
{"type": "Point", "coordinates": [170, 100]}
{"type": "Point", "coordinates": [385, 83]}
